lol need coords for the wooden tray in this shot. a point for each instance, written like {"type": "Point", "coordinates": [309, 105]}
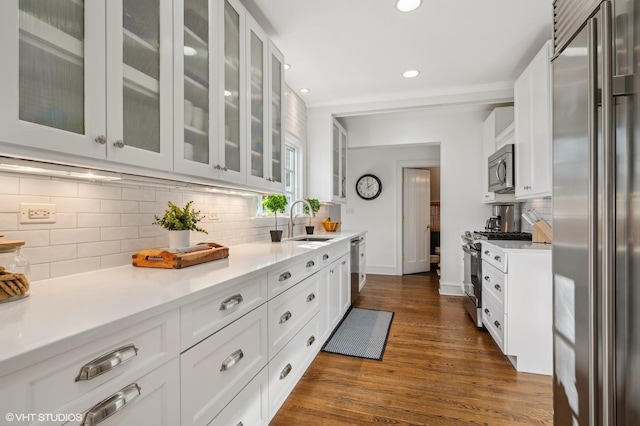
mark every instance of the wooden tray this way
{"type": "Point", "coordinates": [163, 258]}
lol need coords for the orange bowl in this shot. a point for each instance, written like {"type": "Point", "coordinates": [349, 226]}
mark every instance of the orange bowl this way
{"type": "Point", "coordinates": [331, 226]}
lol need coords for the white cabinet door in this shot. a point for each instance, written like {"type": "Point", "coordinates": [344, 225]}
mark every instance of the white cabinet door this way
{"type": "Point", "coordinates": [532, 96]}
{"type": "Point", "coordinates": [345, 284]}
{"type": "Point", "coordinates": [276, 121]}
{"type": "Point", "coordinates": [195, 87]}
{"type": "Point", "coordinates": [140, 83]}
{"type": "Point", "coordinates": [258, 85]}
{"type": "Point", "coordinates": [231, 160]}
{"type": "Point", "coordinates": [53, 81]}
{"type": "Point", "coordinates": [339, 162]}
{"type": "Point", "coordinates": [151, 400]}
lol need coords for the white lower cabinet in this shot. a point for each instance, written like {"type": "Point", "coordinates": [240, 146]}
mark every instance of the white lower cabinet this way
{"type": "Point", "coordinates": [250, 407]}
{"type": "Point", "coordinates": [83, 376]}
{"type": "Point", "coordinates": [291, 310]}
{"type": "Point", "coordinates": [336, 294]}
{"type": "Point", "coordinates": [290, 364]}
{"type": "Point", "coordinates": [213, 372]}
{"type": "Point", "coordinates": [151, 400]}
{"type": "Point", "coordinates": [517, 305]}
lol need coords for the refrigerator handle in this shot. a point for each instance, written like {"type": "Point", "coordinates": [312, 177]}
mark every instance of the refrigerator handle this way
{"type": "Point", "coordinates": [608, 220]}
{"type": "Point", "coordinates": [592, 106]}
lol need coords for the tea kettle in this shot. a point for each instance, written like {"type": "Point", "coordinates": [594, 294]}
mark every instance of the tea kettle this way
{"type": "Point", "coordinates": [493, 224]}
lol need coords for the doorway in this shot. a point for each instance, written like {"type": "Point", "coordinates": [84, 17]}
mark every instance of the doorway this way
{"type": "Point", "coordinates": [416, 221]}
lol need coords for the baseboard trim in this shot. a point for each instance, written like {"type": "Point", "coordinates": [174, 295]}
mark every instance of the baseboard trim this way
{"type": "Point", "coordinates": [450, 289]}
{"type": "Point", "coordinates": [381, 270]}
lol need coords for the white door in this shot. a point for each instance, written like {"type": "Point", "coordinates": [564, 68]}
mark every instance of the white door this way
{"type": "Point", "coordinates": [416, 236]}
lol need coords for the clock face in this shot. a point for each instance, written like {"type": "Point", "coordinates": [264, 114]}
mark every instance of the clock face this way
{"type": "Point", "coordinates": [368, 187]}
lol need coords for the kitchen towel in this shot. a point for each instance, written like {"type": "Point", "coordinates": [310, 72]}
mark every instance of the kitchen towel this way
{"type": "Point", "coordinates": [363, 333]}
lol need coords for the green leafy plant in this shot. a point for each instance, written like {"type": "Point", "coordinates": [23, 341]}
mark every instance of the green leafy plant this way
{"type": "Point", "coordinates": [315, 205]}
{"type": "Point", "coordinates": [177, 219]}
{"type": "Point", "coordinates": [275, 203]}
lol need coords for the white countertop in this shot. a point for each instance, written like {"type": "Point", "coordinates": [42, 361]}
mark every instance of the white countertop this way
{"type": "Point", "coordinates": [519, 246]}
{"type": "Point", "coordinates": [85, 306]}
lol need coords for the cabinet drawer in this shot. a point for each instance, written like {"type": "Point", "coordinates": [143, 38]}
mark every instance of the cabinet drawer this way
{"type": "Point", "coordinates": [291, 310]}
{"type": "Point", "coordinates": [249, 407]}
{"type": "Point", "coordinates": [494, 256]}
{"type": "Point", "coordinates": [283, 277]}
{"type": "Point", "coordinates": [201, 319]}
{"type": "Point", "coordinates": [151, 400]}
{"type": "Point", "coordinates": [214, 371]}
{"type": "Point", "coordinates": [290, 364]}
{"type": "Point", "coordinates": [494, 283]}
{"type": "Point", "coordinates": [495, 320]}
{"type": "Point", "coordinates": [117, 358]}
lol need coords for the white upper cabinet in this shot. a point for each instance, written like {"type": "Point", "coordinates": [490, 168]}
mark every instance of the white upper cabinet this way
{"type": "Point", "coordinates": [89, 83]}
{"type": "Point", "coordinates": [339, 162]}
{"type": "Point", "coordinates": [532, 97]}
{"type": "Point", "coordinates": [196, 87]}
{"type": "Point", "coordinates": [231, 160]}
{"type": "Point", "coordinates": [497, 132]}
{"type": "Point", "coordinates": [276, 122]}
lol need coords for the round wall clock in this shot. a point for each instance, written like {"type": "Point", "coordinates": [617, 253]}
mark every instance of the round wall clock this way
{"type": "Point", "coordinates": [368, 187]}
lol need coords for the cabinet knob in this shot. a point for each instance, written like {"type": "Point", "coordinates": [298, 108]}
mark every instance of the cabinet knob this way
{"type": "Point", "coordinates": [487, 278]}
{"type": "Point", "coordinates": [102, 139]}
{"type": "Point", "coordinates": [487, 311]}
{"type": "Point", "coordinates": [497, 287]}
{"type": "Point", "coordinates": [119, 143]}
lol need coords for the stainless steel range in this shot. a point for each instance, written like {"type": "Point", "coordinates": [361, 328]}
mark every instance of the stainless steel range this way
{"type": "Point", "coordinates": [472, 282]}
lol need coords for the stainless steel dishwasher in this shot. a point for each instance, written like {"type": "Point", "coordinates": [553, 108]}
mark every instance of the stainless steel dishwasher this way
{"type": "Point", "coordinates": [358, 274]}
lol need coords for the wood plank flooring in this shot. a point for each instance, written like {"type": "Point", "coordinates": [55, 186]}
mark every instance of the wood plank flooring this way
{"type": "Point", "coordinates": [438, 369]}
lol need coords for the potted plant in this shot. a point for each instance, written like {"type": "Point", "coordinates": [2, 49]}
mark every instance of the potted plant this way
{"type": "Point", "coordinates": [275, 203]}
{"type": "Point", "coordinates": [179, 222]}
{"type": "Point", "coordinates": [315, 206]}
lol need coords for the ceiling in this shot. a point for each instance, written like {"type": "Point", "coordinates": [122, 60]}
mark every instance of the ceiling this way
{"type": "Point", "coordinates": [350, 51]}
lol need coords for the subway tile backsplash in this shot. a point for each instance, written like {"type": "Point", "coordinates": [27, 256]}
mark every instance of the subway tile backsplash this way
{"type": "Point", "coordinates": [101, 225]}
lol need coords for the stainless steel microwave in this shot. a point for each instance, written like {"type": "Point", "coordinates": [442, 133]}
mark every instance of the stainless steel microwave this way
{"type": "Point", "coordinates": [501, 170]}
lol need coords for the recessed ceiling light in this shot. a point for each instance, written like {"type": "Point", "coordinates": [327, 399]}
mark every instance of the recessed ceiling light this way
{"type": "Point", "coordinates": [189, 51]}
{"type": "Point", "coordinates": [287, 66]}
{"type": "Point", "coordinates": [304, 90]}
{"type": "Point", "coordinates": [410, 73]}
{"type": "Point", "coordinates": [408, 5]}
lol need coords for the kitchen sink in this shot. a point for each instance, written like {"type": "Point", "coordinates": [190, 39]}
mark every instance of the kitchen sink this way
{"type": "Point", "coordinates": [307, 238]}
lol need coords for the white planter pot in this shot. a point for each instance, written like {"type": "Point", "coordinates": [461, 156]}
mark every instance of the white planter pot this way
{"type": "Point", "coordinates": [178, 239]}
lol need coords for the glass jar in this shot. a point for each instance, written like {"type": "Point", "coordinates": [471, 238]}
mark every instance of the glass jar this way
{"type": "Point", "coordinates": [14, 272]}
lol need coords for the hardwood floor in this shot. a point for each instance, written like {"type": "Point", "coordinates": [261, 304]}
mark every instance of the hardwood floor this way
{"type": "Point", "coordinates": [438, 369]}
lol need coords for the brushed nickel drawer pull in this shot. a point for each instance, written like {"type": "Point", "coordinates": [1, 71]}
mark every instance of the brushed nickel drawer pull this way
{"type": "Point", "coordinates": [487, 252]}
{"type": "Point", "coordinates": [231, 302]}
{"type": "Point", "coordinates": [487, 278]}
{"type": "Point", "coordinates": [498, 325]}
{"type": "Point", "coordinates": [310, 264]}
{"type": "Point", "coordinates": [487, 311]}
{"type": "Point", "coordinates": [498, 258]}
{"type": "Point", "coordinates": [284, 276]}
{"type": "Point", "coordinates": [497, 287]}
{"type": "Point", "coordinates": [325, 257]}
{"type": "Point", "coordinates": [111, 405]}
{"type": "Point", "coordinates": [344, 262]}
{"type": "Point", "coordinates": [311, 297]}
{"type": "Point", "coordinates": [285, 317]}
{"type": "Point", "coordinates": [107, 362]}
{"type": "Point", "coordinates": [232, 360]}
{"type": "Point", "coordinates": [240, 424]}
{"type": "Point", "coordinates": [311, 340]}
{"type": "Point", "coordinates": [285, 371]}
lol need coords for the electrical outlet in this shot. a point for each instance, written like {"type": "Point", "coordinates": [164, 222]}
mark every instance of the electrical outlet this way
{"type": "Point", "coordinates": [349, 211]}
{"type": "Point", "coordinates": [213, 214]}
{"type": "Point", "coordinates": [37, 213]}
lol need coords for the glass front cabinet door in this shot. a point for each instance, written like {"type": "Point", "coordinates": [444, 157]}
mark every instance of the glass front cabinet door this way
{"type": "Point", "coordinates": [257, 62]}
{"type": "Point", "coordinates": [87, 82]}
{"type": "Point", "coordinates": [276, 134]}
{"type": "Point", "coordinates": [339, 162]}
{"type": "Point", "coordinates": [195, 86]}
{"type": "Point", "coordinates": [53, 77]}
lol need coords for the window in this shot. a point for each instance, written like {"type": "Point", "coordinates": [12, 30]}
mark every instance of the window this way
{"type": "Point", "coordinates": [290, 173]}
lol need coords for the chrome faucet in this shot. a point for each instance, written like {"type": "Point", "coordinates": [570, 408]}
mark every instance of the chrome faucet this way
{"type": "Point", "coordinates": [292, 217]}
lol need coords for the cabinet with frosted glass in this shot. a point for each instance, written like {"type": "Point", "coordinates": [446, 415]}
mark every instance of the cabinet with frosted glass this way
{"type": "Point", "coordinates": [339, 162]}
{"type": "Point", "coordinates": [92, 79]}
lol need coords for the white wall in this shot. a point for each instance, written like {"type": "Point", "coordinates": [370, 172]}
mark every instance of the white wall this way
{"type": "Point", "coordinates": [458, 131]}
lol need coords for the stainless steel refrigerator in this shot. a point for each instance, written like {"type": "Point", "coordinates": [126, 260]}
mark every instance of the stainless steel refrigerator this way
{"type": "Point", "coordinates": [596, 212]}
